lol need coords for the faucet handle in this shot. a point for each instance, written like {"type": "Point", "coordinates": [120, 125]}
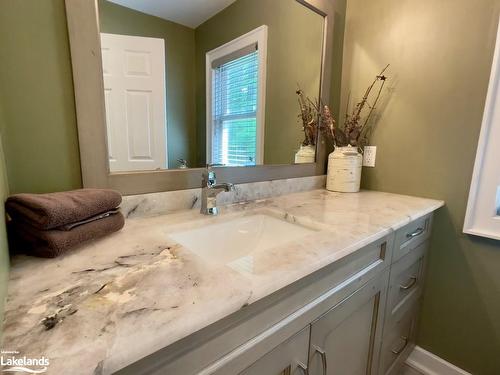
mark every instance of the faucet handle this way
{"type": "Point", "coordinates": [209, 178]}
{"type": "Point", "coordinates": [210, 173]}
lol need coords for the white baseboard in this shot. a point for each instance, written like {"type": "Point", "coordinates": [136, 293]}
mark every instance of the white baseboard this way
{"type": "Point", "coordinates": [429, 364]}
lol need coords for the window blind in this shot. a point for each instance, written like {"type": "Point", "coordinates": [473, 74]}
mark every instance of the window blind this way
{"type": "Point", "coordinates": [234, 109]}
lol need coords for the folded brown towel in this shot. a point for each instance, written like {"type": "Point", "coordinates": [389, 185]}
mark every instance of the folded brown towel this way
{"type": "Point", "coordinates": [52, 210]}
{"type": "Point", "coordinates": [85, 221]}
{"type": "Point", "coordinates": [51, 243]}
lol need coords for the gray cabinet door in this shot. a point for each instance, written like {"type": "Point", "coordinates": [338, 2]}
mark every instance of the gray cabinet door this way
{"type": "Point", "coordinates": [288, 358]}
{"type": "Point", "coordinates": [346, 340]}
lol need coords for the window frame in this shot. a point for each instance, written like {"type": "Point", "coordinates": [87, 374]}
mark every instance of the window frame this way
{"type": "Point", "coordinates": [484, 191]}
{"type": "Point", "coordinates": [256, 36]}
{"type": "Point", "coordinates": [218, 110]}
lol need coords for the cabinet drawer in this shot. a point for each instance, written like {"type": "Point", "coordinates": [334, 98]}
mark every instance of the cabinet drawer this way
{"type": "Point", "coordinates": [410, 236]}
{"type": "Point", "coordinates": [406, 278]}
{"type": "Point", "coordinates": [399, 340]}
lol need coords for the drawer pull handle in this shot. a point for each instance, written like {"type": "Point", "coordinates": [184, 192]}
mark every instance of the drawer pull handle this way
{"type": "Point", "coordinates": [411, 283]}
{"type": "Point", "coordinates": [322, 353]}
{"type": "Point", "coordinates": [417, 232]}
{"type": "Point", "coordinates": [303, 368]}
{"type": "Point", "coordinates": [400, 350]}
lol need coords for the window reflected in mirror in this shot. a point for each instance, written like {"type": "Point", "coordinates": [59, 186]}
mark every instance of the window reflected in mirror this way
{"type": "Point", "coordinates": [235, 88]}
{"type": "Point", "coordinates": [206, 82]}
{"type": "Point", "coordinates": [234, 109]}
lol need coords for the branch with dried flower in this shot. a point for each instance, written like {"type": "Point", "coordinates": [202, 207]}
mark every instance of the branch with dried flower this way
{"type": "Point", "coordinates": [309, 116]}
{"type": "Point", "coordinates": [355, 128]}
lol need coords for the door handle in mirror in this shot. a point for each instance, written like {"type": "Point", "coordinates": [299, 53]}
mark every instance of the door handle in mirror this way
{"type": "Point", "coordinates": [322, 353]}
{"type": "Point", "coordinates": [410, 284]}
{"type": "Point", "coordinates": [416, 233]}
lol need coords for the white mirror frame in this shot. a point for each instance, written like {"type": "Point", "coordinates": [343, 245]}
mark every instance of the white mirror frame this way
{"type": "Point", "coordinates": [483, 217]}
{"type": "Point", "coordinates": [83, 29]}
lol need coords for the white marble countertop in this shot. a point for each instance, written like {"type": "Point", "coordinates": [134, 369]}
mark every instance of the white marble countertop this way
{"type": "Point", "coordinates": [126, 296]}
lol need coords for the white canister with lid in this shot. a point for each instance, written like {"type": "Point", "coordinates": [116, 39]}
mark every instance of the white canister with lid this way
{"type": "Point", "coordinates": [306, 154]}
{"type": "Point", "coordinates": [344, 170]}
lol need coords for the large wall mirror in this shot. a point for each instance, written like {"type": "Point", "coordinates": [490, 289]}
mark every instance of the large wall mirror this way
{"type": "Point", "coordinates": [176, 85]}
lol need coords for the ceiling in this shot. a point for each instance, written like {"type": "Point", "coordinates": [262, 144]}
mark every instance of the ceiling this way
{"type": "Point", "coordinates": [191, 13]}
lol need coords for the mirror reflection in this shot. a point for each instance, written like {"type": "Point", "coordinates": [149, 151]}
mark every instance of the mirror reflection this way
{"type": "Point", "coordinates": [191, 82]}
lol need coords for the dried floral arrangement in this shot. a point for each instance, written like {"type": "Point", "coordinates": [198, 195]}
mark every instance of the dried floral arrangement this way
{"type": "Point", "coordinates": [355, 127]}
{"type": "Point", "coordinates": [309, 117]}
{"type": "Point", "coordinates": [315, 116]}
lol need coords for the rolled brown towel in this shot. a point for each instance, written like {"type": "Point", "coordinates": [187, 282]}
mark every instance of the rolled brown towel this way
{"type": "Point", "coordinates": [52, 210]}
{"type": "Point", "coordinates": [54, 242]}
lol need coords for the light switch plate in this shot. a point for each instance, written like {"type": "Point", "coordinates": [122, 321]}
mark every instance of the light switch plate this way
{"type": "Point", "coordinates": [369, 155]}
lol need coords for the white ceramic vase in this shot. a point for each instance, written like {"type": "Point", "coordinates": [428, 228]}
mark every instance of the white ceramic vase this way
{"type": "Point", "coordinates": [344, 170]}
{"type": "Point", "coordinates": [306, 154]}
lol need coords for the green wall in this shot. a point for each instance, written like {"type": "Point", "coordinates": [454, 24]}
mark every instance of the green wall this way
{"type": "Point", "coordinates": [293, 56]}
{"type": "Point", "coordinates": [4, 251]}
{"type": "Point", "coordinates": [337, 56]}
{"type": "Point", "coordinates": [36, 92]}
{"type": "Point", "coordinates": [440, 54]}
{"type": "Point", "coordinates": [179, 52]}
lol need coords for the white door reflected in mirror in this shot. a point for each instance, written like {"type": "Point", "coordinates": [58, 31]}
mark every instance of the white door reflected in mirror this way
{"type": "Point", "coordinates": [134, 94]}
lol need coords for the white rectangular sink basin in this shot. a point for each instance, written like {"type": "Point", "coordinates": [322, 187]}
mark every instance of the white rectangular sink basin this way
{"type": "Point", "coordinates": [226, 242]}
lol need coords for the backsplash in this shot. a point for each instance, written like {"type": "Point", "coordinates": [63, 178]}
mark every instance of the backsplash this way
{"type": "Point", "coordinates": [172, 201]}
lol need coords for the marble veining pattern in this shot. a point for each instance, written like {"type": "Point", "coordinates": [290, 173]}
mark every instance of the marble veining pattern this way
{"type": "Point", "coordinates": [88, 310]}
{"type": "Point", "coordinates": [172, 201]}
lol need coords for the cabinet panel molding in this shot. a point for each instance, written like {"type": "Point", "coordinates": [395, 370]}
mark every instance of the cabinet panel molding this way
{"type": "Point", "coordinates": [346, 340]}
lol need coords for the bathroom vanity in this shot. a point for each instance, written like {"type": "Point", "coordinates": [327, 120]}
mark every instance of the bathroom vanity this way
{"type": "Point", "coordinates": [306, 283]}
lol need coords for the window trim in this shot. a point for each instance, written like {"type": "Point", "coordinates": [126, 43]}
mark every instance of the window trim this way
{"type": "Point", "coordinates": [479, 219]}
{"type": "Point", "coordinates": [259, 36]}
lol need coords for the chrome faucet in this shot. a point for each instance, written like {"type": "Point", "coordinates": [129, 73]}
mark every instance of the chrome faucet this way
{"type": "Point", "coordinates": [210, 189]}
